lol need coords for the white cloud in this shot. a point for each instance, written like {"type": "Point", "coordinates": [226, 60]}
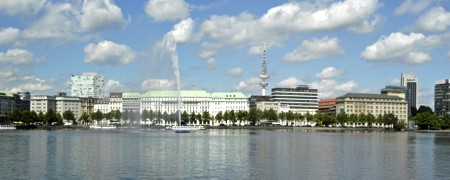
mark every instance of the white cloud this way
{"type": "Point", "coordinates": [250, 85]}
{"type": "Point", "coordinates": [17, 56]}
{"type": "Point", "coordinates": [435, 20]}
{"type": "Point", "coordinates": [100, 14]}
{"type": "Point", "coordinates": [290, 82]}
{"type": "Point", "coordinates": [211, 63]}
{"type": "Point", "coordinates": [425, 97]}
{"type": "Point", "coordinates": [237, 71]}
{"type": "Point", "coordinates": [448, 55]}
{"type": "Point", "coordinates": [412, 6]}
{"type": "Point", "coordinates": [403, 48]}
{"type": "Point", "coordinates": [9, 35]}
{"type": "Point", "coordinates": [313, 17]}
{"type": "Point", "coordinates": [330, 88]}
{"type": "Point", "coordinates": [315, 49]}
{"type": "Point", "coordinates": [209, 50]}
{"type": "Point", "coordinates": [182, 31]}
{"type": "Point", "coordinates": [113, 86]}
{"type": "Point", "coordinates": [157, 84]}
{"type": "Point", "coordinates": [162, 10]}
{"type": "Point", "coordinates": [329, 73]}
{"type": "Point", "coordinates": [395, 81]}
{"type": "Point", "coordinates": [31, 84]}
{"type": "Point", "coordinates": [366, 26]}
{"type": "Point", "coordinates": [58, 22]}
{"type": "Point", "coordinates": [108, 52]}
{"type": "Point", "coordinates": [21, 7]}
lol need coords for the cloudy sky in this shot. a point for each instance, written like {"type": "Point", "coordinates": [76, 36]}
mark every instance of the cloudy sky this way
{"type": "Point", "coordinates": [337, 46]}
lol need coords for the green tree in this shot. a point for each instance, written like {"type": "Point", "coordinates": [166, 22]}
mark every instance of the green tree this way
{"type": "Point", "coordinates": [41, 116]}
{"type": "Point", "coordinates": [424, 109]}
{"type": "Point", "coordinates": [26, 117]}
{"type": "Point", "coordinates": [84, 117]}
{"type": "Point", "coordinates": [445, 122]}
{"type": "Point", "coordinates": [145, 115]}
{"type": "Point", "coordinates": [50, 117]}
{"type": "Point", "coordinates": [117, 115]}
{"type": "Point", "coordinates": [413, 111]}
{"type": "Point", "coordinates": [309, 117]}
{"type": "Point", "coordinates": [253, 116]}
{"type": "Point", "coordinates": [98, 116]}
{"type": "Point", "coordinates": [362, 118]}
{"type": "Point", "coordinates": [370, 118]}
{"type": "Point", "coordinates": [126, 115]}
{"type": "Point", "coordinates": [34, 117]}
{"type": "Point", "coordinates": [184, 117]}
{"type": "Point", "coordinates": [342, 118]}
{"type": "Point", "coordinates": [379, 119]}
{"type": "Point", "coordinates": [226, 116]}
{"type": "Point", "coordinates": [270, 115]}
{"type": "Point", "coordinates": [206, 116]}
{"type": "Point", "coordinates": [192, 117]}
{"type": "Point", "coordinates": [427, 120]}
{"type": "Point", "coordinates": [68, 115]}
{"type": "Point", "coordinates": [390, 119]}
{"type": "Point", "coordinates": [233, 117]}
{"type": "Point", "coordinates": [59, 120]}
{"type": "Point", "coordinates": [352, 118]}
{"type": "Point", "coordinates": [290, 116]}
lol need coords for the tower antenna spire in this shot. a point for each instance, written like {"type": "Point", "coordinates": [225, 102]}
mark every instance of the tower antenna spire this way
{"type": "Point", "coordinates": [264, 75]}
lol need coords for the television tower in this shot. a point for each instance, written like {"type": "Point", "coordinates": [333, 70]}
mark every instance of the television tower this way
{"type": "Point", "coordinates": [264, 75]}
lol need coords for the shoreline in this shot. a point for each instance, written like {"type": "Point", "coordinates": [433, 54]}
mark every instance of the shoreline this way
{"type": "Point", "coordinates": [85, 127]}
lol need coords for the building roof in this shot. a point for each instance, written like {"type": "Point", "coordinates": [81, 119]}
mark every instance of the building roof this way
{"type": "Point", "coordinates": [7, 94]}
{"type": "Point", "coordinates": [183, 93]}
{"type": "Point", "coordinates": [130, 95]}
{"type": "Point", "coordinates": [227, 95]}
{"type": "Point", "coordinates": [367, 95]}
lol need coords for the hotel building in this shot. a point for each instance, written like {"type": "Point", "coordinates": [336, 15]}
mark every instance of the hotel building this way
{"type": "Point", "coordinates": [301, 99]}
{"type": "Point", "coordinates": [327, 106]}
{"type": "Point", "coordinates": [410, 81]}
{"type": "Point", "coordinates": [376, 104]}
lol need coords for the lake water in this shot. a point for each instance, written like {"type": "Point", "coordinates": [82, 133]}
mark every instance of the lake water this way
{"type": "Point", "coordinates": [223, 154]}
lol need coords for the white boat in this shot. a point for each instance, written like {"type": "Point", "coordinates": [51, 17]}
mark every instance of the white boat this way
{"type": "Point", "coordinates": [186, 129]}
{"type": "Point", "coordinates": [7, 126]}
{"type": "Point", "coordinates": [103, 126]}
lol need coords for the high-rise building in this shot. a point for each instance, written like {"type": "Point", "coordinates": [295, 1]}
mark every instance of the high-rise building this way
{"type": "Point", "coordinates": [301, 99]}
{"type": "Point", "coordinates": [7, 104]}
{"type": "Point", "coordinates": [87, 85]}
{"type": "Point", "coordinates": [410, 81]}
{"type": "Point", "coordinates": [442, 98]}
{"type": "Point", "coordinates": [264, 75]}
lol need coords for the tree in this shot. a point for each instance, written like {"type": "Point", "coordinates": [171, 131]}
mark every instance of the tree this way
{"type": "Point", "coordinates": [362, 118]}
{"type": "Point", "coordinates": [98, 116]}
{"type": "Point", "coordinates": [50, 117]}
{"type": "Point", "coordinates": [352, 118]}
{"type": "Point", "coordinates": [232, 116]}
{"type": "Point", "coordinates": [26, 117]}
{"type": "Point", "coordinates": [126, 115]}
{"type": "Point", "coordinates": [34, 117]}
{"type": "Point", "coordinates": [390, 119]}
{"type": "Point", "coordinates": [68, 115]}
{"type": "Point", "coordinates": [445, 122]}
{"type": "Point", "coordinates": [192, 117]}
{"type": "Point", "coordinates": [59, 120]}
{"type": "Point", "coordinates": [206, 116]}
{"type": "Point", "coordinates": [84, 117]}
{"type": "Point", "coordinates": [41, 116]}
{"type": "Point", "coordinates": [184, 117]}
{"type": "Point", "coordinates": [413, 111]}
{"type": "Point", "coordinates": [198, 117]}
{"type": "Point", "coordinates": [427, 120]}
{"type": "Point", "coordinates": [226, 116]}
{"type": "Point", "coordinates": [379, 119]}
{"type": "Point", "coordinates": [290, 116]}
{"type": "Point", "coordinates": [309, 117]}
{"type": "Point", "coordinates": [370, 118]}
{"type": "Point", "coordinates": [271, 115]}
{"type": "Point", "coordinates": [341, 118]}
{"type": "Point", "coordinates": [117, 115]}
{"type": "Point", "coordinates": [424, 109]}
{"type": "Point", "coordinates": [252, 115]}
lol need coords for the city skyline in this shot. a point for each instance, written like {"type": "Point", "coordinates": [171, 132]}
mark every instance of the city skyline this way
{"type": "Point", "coordinates": [336, 47]}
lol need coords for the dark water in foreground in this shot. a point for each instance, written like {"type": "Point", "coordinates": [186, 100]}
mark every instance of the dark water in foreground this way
{"type": "Point", "coordinates": [223, 154]}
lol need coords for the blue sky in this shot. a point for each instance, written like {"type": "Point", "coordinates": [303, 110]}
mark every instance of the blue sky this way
{"type": "Point", "coordinates": [334, 46]}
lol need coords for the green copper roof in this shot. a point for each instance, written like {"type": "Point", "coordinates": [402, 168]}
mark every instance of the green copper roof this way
{"type": "Point", "coordinates": [7, 94]}
{"type": "Point", "coordinates": [183, 93]}
{"type": "Point", "coordinates": [227, 95]}
{"type": "Point", "coordinates": [131, 95]}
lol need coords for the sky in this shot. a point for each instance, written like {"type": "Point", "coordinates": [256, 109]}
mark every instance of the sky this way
{"type": "Point", "coordinates": [336, 46]}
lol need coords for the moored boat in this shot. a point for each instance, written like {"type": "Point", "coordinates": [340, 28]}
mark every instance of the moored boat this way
{"type": "Point", "coordinates": [103, 126]}
{"type": "Point", "coordinates": [7, 126]}
{"type": "Point", "coordinates": [187, 129]}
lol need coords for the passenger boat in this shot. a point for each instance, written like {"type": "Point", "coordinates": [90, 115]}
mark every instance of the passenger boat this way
{"type": "Point", "coordinates": [7, 126]}
{"type": "Point", "coordinates": [103, 126]}
{"type": "Point", "coordinates": [186, 129]}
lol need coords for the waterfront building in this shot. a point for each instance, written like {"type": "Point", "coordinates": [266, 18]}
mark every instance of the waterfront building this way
{"type": "Point", "coordinates": [327, 106]}
{"type": "Point", "coordinates": [131, 102]}
{"type": "Point", "coordinates": [301, 99]}
{"type": "Point", "coordinates": [376, 104]}
{"type": "Point", "coordinates": [68, 103]}
{"type": "Point", "coordinates": [7, 104]}
{"type": "Point", "coordinates": [23, 101]}
{"type": "Point", "coordinates": [102, 105]}
{"type": "Point", "coordinates": [254, 99]}
{"type": "Point", "coordinates": [392, 90]}
{"type": "Point", "coordinates": [442, 98]}
{"type": "Point", "coordinates": [42, 103]}
{"type": "Point", "coordinates": [87, 85]}
{"type": "Point", "coordinates": [227, 101]}
{"type": "Point", "coordinates": [167, 101]}
{"type": "Point", "coordinates": [410, 81]}
{"type": "Point", "coordinates": [87, 104]}
{"type": "Point", "coordinates": [115, 101]}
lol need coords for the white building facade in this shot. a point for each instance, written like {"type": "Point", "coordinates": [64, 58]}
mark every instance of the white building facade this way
{"type": "Point", "coordinates": [301, 99]}
{"type": "Point", "coordinates": [69, 103]}
{"type": "Point", "coordinates": [41, 103]}
{"type": "Point", "coordinates": [227, 101]}
{"type": "Point", "coordinates": [87, 85]}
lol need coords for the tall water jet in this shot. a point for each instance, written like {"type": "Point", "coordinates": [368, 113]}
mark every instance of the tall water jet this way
{"type": "Point", "coordinates": [170, 45]}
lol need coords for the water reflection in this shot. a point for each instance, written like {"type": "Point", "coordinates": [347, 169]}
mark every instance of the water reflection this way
{"type": "Point", "coordinates": [229, 154]}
